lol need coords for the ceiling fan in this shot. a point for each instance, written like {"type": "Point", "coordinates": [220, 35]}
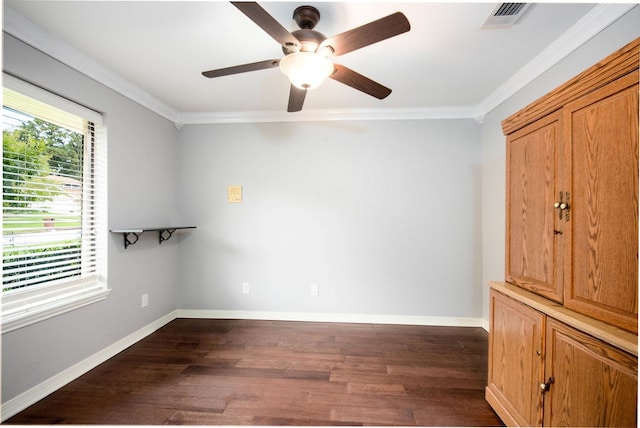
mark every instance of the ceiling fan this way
{"type": "Point", "coordinates": [307, 52]}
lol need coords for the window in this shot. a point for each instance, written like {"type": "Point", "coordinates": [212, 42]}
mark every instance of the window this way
{"type": "Point", "coordinates": [53, 205]}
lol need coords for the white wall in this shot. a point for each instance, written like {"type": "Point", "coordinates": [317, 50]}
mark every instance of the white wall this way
{"type": "Point", "coordinates": [142, 191]}
{"type": "Point", "coordinates": [383, 216]}
{"type": "Point", "coordinates": [493, 174]}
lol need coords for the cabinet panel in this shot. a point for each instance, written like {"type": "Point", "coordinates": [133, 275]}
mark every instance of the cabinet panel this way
{"type": "Point", "coordinates": [532, 175]}
{"type": "Point", "coordinates": [601, 271]}
{"type": "Point", "coordinates": [594, 383]}
{"type": "Point", "coordinates": [515, 361]}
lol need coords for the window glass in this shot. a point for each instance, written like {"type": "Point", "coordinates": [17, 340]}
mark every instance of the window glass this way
{"type": "Point", "coordinates": [42, 200]}
{"type": "Point", "coordinates": [51, 216]}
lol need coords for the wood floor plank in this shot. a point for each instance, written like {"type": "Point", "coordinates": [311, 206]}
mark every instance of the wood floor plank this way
{"type": "Point", "coordinates": [373, 415]}
{"type": "Point", "coordinates": [250, 372]}
{"type": "Point", "coordinates": [183, 417]}
{"type": "Point", "coordinates": [377, 388]}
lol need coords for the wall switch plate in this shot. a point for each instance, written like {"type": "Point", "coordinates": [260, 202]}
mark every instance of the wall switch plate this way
{"type": "Point", "coordinates": [234, 194]}
{"type": "Point", "coordinates": [313, 289]}
{"type": "Point", "coordinates": [145, 300]}
{"type": "Point", "coordinates": [245, 288]}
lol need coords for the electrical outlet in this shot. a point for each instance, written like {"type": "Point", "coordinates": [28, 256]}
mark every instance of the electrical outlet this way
{"type": "Point", "coordinates": [313, 289]}
{"type": "Point", "coordinates": [145, 300]}
{"type": "Point", "coordinates": [245, 288]}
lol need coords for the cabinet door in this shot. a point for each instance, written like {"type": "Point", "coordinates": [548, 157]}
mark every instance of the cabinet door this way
{"type": "Point", "coordinates": [594, 384]}
{"type": "Point", "coordinates": [601, 270]}
{"type": "Point", "coordinates": [515, 361]}
{"type": "Point", "coordinates": [533, 159]}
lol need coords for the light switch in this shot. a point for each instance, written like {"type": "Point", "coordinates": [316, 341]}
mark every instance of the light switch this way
{"type": "Point", "coordinates": [234, 194]}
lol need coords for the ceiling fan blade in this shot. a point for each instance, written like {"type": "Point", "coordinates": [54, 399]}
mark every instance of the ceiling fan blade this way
{"type": "Point", "coordinates": [357, 81]}
{"type": "Point", "coordinates": [368, 34]}
{"type": "Point", "coordinates": [296, 98]}
{"type": "Point", "coordinates": [268, 23]}
{"type": "Point", "coordinates": [270, 63]}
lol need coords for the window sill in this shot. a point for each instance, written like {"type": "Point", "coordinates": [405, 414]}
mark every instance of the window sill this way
{"type": "Point", "coordinates": [22, 308]}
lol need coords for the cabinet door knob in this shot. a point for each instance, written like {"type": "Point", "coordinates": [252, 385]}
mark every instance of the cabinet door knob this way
{"type": "Point", "coordinates": [545, 386]}
{"type": "Point", "coordinates": [562, 205]}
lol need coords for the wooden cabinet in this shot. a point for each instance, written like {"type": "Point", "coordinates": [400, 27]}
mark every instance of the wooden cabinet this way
{"type": "Point", "coordinates": [515, 361]}
{"type": "Point", "coordinates": [543, 371]}
{"type": "Point", "coordinates": [563, 339]}
{"type": "Point", "coordinates": [572, 193]}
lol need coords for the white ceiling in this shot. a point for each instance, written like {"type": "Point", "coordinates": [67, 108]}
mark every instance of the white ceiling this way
{"type": "Point", "coordinates": [154, 52]}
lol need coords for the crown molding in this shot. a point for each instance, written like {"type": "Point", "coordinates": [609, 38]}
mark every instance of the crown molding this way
{"type": "Point", "coordinates": [596, 20]}
{"type": "Point", "coordinates": [31, 34]}
{"type": "Point", "coordinates": [600, 17]}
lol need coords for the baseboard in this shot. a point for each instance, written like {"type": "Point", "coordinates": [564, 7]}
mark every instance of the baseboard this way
{"type": "Point", "coordinates": [332, 317]}
{"type": "Point", "coordinates": [38, 392]}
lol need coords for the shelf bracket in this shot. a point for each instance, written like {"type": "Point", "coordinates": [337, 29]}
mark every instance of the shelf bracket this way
{"type": "Point", "coordinates": [164, 232]}
{"type": "Point", "coordinates": [128, 241]}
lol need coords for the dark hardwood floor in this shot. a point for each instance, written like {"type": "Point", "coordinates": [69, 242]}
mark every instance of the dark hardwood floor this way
{"type": "Point", "coordinates": [235, 372]}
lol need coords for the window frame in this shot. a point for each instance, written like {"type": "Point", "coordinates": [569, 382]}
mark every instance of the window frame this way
{"type": "Point", "coordinates": [28, 305]}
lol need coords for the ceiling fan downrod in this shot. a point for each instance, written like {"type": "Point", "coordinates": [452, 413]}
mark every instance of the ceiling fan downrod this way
{"type": "Point", "coordinates": [306, 17]}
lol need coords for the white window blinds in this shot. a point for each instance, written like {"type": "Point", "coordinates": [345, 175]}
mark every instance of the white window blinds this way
{"type": "Point", "coordinates": [52, 219]}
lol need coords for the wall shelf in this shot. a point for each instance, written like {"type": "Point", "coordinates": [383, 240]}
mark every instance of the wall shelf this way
{"type": "Point", "coordinates": [132, 235]}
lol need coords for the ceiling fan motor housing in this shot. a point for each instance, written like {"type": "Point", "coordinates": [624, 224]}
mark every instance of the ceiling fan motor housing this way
{"type": "Point", "coordinates": [309, 41]}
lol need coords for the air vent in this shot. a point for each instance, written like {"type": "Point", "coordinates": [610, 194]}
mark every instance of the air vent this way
{"type": "Point", "coordinates": [504, 15]}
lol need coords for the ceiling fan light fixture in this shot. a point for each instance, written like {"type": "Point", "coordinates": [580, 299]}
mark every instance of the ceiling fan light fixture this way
{"type": "Point", "coordinates": [306, 70]}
